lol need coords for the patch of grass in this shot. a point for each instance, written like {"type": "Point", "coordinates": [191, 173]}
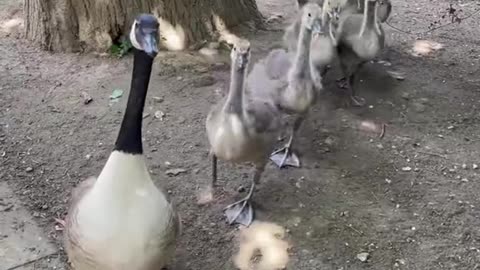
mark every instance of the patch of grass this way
{"type": "Point", "coordinates": [121, 49]}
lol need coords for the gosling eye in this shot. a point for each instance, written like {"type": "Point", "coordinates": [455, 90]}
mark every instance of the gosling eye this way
{"type": "Point", "coordinates": [309, 14]}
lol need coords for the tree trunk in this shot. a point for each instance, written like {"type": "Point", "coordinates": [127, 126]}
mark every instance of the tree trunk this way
{"type": "Point", "coordinates": [79, 25]}
{"type": "Point", "coordinates": [301, 3]}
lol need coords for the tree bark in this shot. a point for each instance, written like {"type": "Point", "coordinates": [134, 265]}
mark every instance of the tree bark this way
{"type": "Point", "coordinates": [84, 25]}
{"type": "Point", "coordinates": [301, 3]}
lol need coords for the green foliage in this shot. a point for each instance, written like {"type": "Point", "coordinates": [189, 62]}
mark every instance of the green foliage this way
{"type": "Point", "coordinates": [121, 49]}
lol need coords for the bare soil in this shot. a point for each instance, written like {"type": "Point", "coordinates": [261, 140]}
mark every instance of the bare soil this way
{"type": "Point", "coordinates": [354, 192]}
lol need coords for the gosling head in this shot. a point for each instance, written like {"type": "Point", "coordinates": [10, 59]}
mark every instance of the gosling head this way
{"type": "Point", "coordinates": [386, 8]}
{"type": "Point", "coordinates": [240, 54]}
{"type": "Point", "coordinates": [144, 34]}
{"type": "Point", "coordinates": [312, 17]}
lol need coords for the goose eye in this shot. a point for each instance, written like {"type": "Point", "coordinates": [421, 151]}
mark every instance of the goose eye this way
{"type": "Point", "coordinates": [309, 14]}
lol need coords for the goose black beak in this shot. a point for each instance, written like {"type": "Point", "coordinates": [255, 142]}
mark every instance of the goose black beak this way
{"type": "Point", "coordinates": [150, 42]}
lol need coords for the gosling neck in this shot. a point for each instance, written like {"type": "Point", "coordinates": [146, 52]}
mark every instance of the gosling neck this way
{"type": "Point", "coordinates": [129, 139]}
{"type": "Point", "coordinates": [376, 20]}
{"type": "Point", "coordinates": [369, 16]}
{"type": "Point", "coordinates": [302, 58]}
{"type": "Point", "coordinates": [235, 97]}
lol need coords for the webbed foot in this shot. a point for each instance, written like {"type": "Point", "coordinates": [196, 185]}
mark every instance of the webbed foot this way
{"type": "Point", "coordinates": [240, 212]}
{"type": "Point", "coordinates": [342, 83]}
{"type": "Point", "coordinates": [358, 101]}
{"type": "Point", "coordinates": [285, 157]}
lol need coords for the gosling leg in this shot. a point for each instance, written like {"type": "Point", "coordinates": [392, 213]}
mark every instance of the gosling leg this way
{"type": "Point", "coordinates": [285, 156]}
{"type": "Point", "coordinates": [356, 100]}
{"type": "Point", "coordinates": [348, 81]}
{"type": "Point", "coordinates": [242, 212]}
{"type": "Point", "coordinates": [206, 195]}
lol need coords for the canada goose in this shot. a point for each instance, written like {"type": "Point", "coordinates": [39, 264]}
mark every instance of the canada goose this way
{"type": "Point", "coordinates": [121, 220]}
{"type": "Point", "coordinates": [242, 128]}
{"type": "Point", "coordinates": [294, 91]}
{"type": "Point", "coordinates": [360, 38]}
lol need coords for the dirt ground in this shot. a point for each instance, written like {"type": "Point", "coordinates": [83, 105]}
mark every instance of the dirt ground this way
{"type": "Point", "coordinates": [410, 199]}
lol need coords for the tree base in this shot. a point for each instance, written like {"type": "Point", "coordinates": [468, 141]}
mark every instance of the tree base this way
{"type": "Point", "coordinates": [85, 25]}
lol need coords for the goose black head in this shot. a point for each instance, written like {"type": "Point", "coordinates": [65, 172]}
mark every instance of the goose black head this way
{"type": "Point", "coordinates": [145, 34]}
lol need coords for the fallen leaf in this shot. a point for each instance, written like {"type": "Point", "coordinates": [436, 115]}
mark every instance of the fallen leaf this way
{"type": "Point", "coordinates": [7, 208]}
{"type": "Point", "coordinates": [116, 94]}
{"type": "Point", "coordinates": [396, 75]}
{"type": "Point", "coordinates": [175, 172]}
{"type": "Point", "coordinates": [385, 63]}
{"type": "Point", "coordinates": [369, 126]}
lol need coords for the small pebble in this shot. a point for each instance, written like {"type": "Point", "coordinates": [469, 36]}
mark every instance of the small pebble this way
{"type": "Point", "coordinates": [407, 169]}
{"type": "Point", "coordinates": [158, 99]}
{"type": "Point", "coordinates": [329, 141]}
{"type": "Point", "coordinates": [159, 114]}
{"type": "Point", "coordinates": [29, 169]}
{"type": "Point", "coordinates": [464, 166]}
{"type": "Point", "coordinates": [363, 257]}
{"type": "Point", "coordinates": [475, 166]}
{"type": "Point", "coordinates": [388, 181]}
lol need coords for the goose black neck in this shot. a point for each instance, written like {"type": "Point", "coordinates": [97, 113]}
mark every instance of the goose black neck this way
{"type": "Point", "coordinates": [130, 137]}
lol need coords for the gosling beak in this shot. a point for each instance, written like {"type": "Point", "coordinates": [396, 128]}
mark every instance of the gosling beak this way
{"type": "Point", "coordinates": [317, 28]}
{"type": "Point", "coordinates": [242, 61]}
{"type": "Point", "coordinates": [150, 43]}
